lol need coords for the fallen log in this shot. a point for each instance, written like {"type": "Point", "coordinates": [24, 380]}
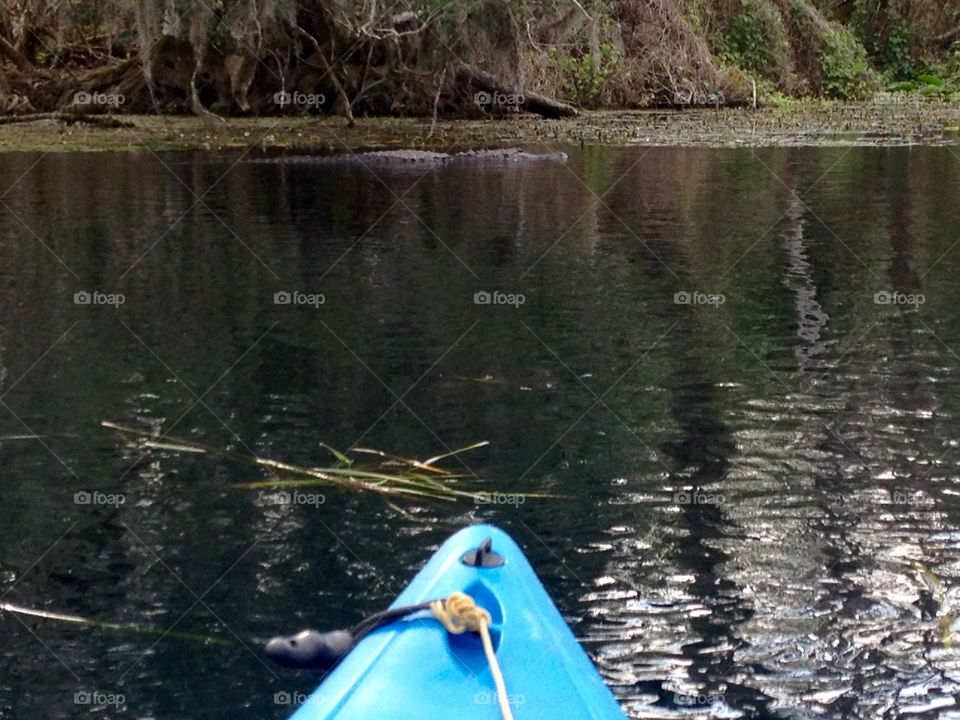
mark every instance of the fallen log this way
{"type": "Point", "coordinates": [531, 102]}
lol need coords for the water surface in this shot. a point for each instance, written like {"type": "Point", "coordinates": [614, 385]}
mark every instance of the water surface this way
{"type": "Point", "coordinates": [739, 368]}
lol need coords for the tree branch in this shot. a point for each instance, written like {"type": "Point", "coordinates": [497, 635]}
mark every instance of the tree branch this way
{"type": "Point", "coordinates": [16, 57]}
{"type": "Point", "coordinates": [948, 37]}
{"type": "Point", "coordinates": [328, 70]}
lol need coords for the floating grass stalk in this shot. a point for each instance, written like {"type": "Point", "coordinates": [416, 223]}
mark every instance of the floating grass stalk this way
{"type": "Point", "coordinates": [389, 475]}
{"type": "Point", "coordinates": [122, 627]}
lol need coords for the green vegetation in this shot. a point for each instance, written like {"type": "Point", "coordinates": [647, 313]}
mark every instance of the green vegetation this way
{"type": "Point", "coordinates": [584, 78]}
{"type": "Point", "coordinates": [912, 48]}
{"type": "Point", "coordinates": [892, 55]}
{"type": "Point", "coordinates": [428, 57]}
{"type": "Point", "coordinates": [846, 72]}
{"type": "Point", "coordinates": [754, 39]}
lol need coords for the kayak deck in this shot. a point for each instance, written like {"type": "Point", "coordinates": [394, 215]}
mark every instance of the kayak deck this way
{"type": "Point", "coordinates": [414, 668]}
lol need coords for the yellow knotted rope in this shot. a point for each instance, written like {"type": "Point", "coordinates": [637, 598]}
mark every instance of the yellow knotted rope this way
{"type": "Point", "coordinates": [459, 614]}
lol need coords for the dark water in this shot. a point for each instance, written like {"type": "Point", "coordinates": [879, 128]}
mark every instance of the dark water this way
{"type": "Point", "coordinates": [748, 485]}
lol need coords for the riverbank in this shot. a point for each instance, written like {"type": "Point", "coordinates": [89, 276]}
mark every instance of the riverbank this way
{"type": "Point", "coordinates": [891, 120]}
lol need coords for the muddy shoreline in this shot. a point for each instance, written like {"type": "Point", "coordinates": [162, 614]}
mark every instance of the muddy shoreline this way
{"type": "Point", "coordinates": [888, 122]}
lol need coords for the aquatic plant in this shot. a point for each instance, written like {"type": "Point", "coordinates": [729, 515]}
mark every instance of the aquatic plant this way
{"type": "Point", "coordinates": [360, 468]}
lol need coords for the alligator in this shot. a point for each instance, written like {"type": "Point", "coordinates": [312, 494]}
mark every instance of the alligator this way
{"type": "Point", "coordinates": [424, 156]}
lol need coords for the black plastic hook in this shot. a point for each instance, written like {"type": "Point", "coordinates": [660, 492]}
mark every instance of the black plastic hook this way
{"type": "Point", "coordinates": [483, 556]}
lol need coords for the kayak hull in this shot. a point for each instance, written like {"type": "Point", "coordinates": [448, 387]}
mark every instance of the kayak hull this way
{"type": "Point", "coordinates": [414, 668]}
